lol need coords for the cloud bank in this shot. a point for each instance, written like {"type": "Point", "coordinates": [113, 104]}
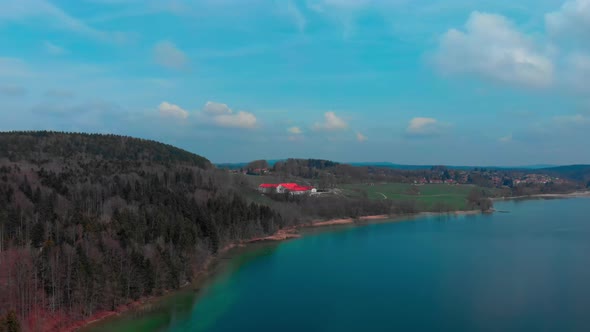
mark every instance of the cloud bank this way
{"type": "Point", "coordinates": [172, 111]}
{"type": "Point", "coordinates": [331, 122]}
{"type": "Point", "coordinates": [424, 127]}
{"type": "Point", "coordinates": [572, 20]}
{"type": "Point", "coordinates": [491, 47]}
{"type": "Point", "coordinates": [223, 116]}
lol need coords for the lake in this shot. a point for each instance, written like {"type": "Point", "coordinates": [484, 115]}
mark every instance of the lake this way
{"type": "Point", "coordinates": [524, 270]}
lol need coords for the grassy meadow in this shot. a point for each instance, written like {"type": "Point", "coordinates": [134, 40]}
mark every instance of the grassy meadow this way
{"type": "Point", "coordinates": [427, 196]}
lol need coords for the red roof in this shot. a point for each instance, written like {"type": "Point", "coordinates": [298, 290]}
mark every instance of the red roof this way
{"type": "Point", "coordinates": [295, 187]}
{"type": "Point", "coordinates": [268, 185]}
{"type": "Point", "coordinates": [288, 186]}
{"type": "Point", "coordinates": [302, 188]}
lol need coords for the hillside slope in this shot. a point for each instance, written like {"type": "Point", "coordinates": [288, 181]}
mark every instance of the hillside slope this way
{"type": "Point", "coordinates": [89, 222]}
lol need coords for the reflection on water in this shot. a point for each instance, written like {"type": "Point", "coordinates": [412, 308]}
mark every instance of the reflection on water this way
{"type": "Point", "coordinates": [180, 310]}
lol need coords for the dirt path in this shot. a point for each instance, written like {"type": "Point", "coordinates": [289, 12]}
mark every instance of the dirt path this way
{"type": "Point", "coordinates": [382, 194]}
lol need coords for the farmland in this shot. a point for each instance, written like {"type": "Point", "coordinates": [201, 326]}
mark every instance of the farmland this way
{"type": "Point", "coordinates": [427, 196]}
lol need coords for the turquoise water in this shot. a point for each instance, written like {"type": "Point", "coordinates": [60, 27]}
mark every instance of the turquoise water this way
{"type": "Point", "coordinates": [525, 270]}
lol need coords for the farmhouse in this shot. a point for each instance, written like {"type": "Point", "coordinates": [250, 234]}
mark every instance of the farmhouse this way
{"type": "Point", "coordinates": [281, 188]}
{"type": "Point", "coordinates": [267, 188]}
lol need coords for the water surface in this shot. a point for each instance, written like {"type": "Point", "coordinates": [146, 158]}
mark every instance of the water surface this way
{"type": "Point", "coordinates": [526, 270]}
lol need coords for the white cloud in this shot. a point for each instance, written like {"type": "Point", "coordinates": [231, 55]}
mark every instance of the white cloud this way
{"type": "Point", "coordinates": [491, 47]}
{"type": "Point", "coordinates": [424, 127]}
{"type": "Point", "coordinates": [53, 16]}
{"type": "Point", "coordinates": [214, 108]}
{"type": "Point", "coordinates": [53, 49]}
{"type": "Point", "coordinates": [296, 15]}
{"type": "Point", "coordinates": [348, 14]}
{"type": "Point", "coordinates": [239, 120]}
{"type": "Point", "coordinates": [571, 20]}
{"type": "Point", "coordinates": [331, 122]}
{"type": "Point", "coordinates": [173, 111]}
{"type": "Point", "coordinates": [505, 139]}
{"type": "Point", "coordinates": [361, 138]}
{"type": "Point", "coordinates": [342, 12]}
{"type": "Point", "coordinates": [295, 130]}
{"type": "Point", "coordinates": [168, 55]}
{"type": "Point", "coordinates": [223, 116]}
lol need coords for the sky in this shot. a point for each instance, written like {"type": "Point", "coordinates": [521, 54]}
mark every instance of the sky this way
{"type": "Point", "coordinates": [454, 82]}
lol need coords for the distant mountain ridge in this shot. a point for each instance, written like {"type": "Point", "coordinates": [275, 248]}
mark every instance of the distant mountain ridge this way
{"type": "Point", "coordinates": [239, 165]}
{"type": "Point", "coordinates": [457, 167]}
{"type": "Point", "coordinates": [386, 164]}
{"type": "Point", "coordinates": [572, 172]}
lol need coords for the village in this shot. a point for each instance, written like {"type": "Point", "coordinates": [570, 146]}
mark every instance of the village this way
{"type": "Point", "coordinates": [491, 178]}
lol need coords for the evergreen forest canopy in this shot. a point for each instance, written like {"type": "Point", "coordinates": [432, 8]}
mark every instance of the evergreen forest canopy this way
{"type": "Point", "coordinates": [88, 222]}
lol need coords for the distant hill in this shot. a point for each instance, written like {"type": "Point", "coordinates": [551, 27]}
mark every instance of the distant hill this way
{"type": "Point", "coordinates": [391, 165]}
{"type": "Point", "coordinates": [572, 172]}
{"type": "Point", "coordinates": [38, 146]}
{"type": "Point", "coordinates": [317, 168]}
{"type": "Point", "coordinates": [427, 167]}
{"type": "Point", "coordinates": [240, 165]}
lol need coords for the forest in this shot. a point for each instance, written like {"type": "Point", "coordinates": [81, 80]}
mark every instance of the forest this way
{"type": "Point", "coordinates": [89, 222]}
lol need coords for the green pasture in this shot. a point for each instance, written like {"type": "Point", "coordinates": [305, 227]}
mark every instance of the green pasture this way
{"type": "Point", "coordinates": [427, 195]}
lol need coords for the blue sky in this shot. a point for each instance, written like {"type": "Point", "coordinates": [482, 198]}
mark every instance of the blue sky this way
{"type": "Point", "coordinates": [456, 82]}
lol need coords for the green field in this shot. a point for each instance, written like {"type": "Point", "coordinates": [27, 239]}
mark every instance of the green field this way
{"type": "Point", "coordinates": [427, 195]}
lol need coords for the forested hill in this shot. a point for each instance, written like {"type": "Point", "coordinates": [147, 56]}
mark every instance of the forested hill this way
{"type": "Point", "coordinates": [574, 172]}
{"type": "Point", "coordinates": [45, 146]}
{"type": "Point", "coordinates": [90, 222]}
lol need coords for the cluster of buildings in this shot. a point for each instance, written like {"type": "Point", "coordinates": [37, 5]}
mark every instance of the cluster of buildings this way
{"type": "Point", "coordinates": [424, 180]}
{"type": "Point", "coordinates": [282, 188]}
{"type": "Point", "coordinates": [492, 178]}
{"type": "Point", "coordinates": [538, 179]}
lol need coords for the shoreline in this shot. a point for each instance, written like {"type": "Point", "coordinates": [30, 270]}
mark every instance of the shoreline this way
{"type": "Point", "coordinates": [284, 234]}
{"type": "Point", "coordinates": [199, 278]}
{"type": "Point", "coordinates": [363, 220]}
{"type": "Point", "coordinates": [524, 197]}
